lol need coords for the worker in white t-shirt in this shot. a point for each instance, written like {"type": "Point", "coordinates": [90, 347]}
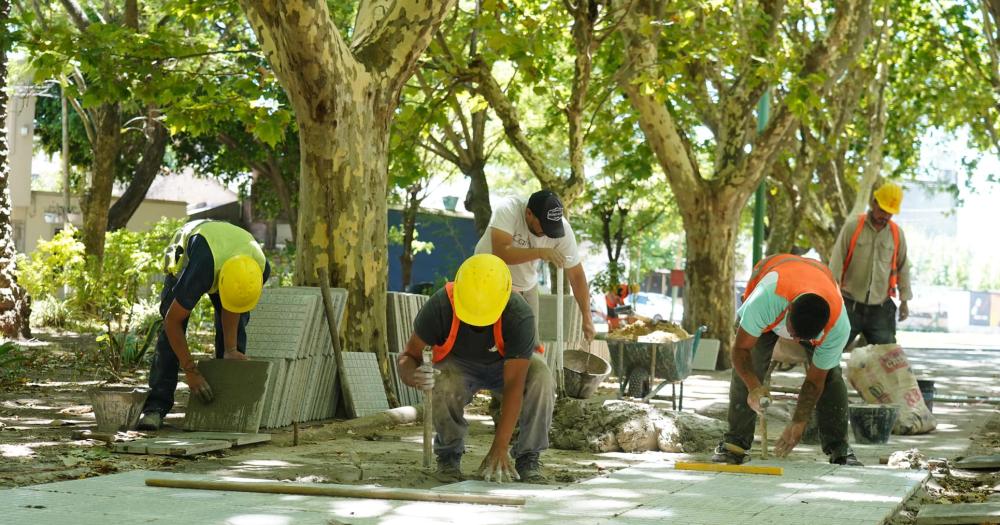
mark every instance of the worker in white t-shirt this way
{"type": "Point", "coordinates": [522, 232]}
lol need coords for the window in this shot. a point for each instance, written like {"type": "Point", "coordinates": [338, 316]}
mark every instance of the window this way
{"type": "Point", "coordinates": [18, 227]}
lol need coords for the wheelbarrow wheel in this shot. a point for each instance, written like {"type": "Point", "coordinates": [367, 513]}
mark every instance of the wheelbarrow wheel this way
{"type": "Point", "coordinates": [638, 384]}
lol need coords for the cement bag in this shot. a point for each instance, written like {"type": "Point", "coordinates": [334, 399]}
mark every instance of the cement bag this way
{"type": "Point", "coordinates": [882, 375]}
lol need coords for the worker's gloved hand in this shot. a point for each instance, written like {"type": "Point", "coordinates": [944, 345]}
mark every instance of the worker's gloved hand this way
{"type": "Point", "coordinates": [754, 397]}
{"type": "Point", "coordinates": [904, 311]}
{"type": "Point", "coordinates": [199, 386]}
{"type": "Point", "coordinates": [423, 377]}
{"type": "Point", "coordinates": [789, 438]}
{"type": "Point", "coordinates": [234, 354]}
{"type": "Point", "coordinates": [551, 255]}
{"type": "Point", "coordinates": [497, 466]}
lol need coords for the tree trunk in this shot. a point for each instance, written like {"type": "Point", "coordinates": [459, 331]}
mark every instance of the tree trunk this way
{"type": "Point", "coordinates": [15, 306]}
{"type": "Point", "coordinates": [145, 172]}
{"type": "Point", "coordinates": [344, 95]}
{"type": "Point", "coordinates": [477, 200]}
{"type": "Point", "coordinates": [409, 227]}
{"type": "Point", "coordinates": [342, 220]}
{"type": "Point", "coordinates": [711, 228]}
{"type": "Point", "coordinates": [97, 199]}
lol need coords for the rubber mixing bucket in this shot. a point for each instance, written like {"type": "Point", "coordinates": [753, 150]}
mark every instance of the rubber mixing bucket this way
{"type": "Point", "coordinates": [927, 390]}
{"type": "Point", "coordinates": [872, 423]}
{"type": "Point", "coordinates": [583, 372]}
{"type": "Point", "coordinates": [117, 408]}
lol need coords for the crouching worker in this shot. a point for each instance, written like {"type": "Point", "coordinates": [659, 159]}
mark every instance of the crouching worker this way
{"type": "Point", "coordinates": [792, 298]}
{"type": "Point", "coordinates": [205, 257]}
{"type": "Point", "coordinates": [483, 338]}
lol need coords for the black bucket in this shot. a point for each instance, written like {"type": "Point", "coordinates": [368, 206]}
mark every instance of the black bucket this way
{"type": "Point", "coordinates": [872, 423]}
{"type": "Point", "coordinates": [927, 390]}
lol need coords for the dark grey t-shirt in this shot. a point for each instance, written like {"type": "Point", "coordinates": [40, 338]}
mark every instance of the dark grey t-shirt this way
{"type": "Point", "coordinates": [433, 323]}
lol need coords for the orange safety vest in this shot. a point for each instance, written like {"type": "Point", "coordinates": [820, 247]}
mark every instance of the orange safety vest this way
{"type": "Point", "coordinates": [797, 276]}
{"type": "Point", "coordinates": [893, 271]}
{"type": "Point", "coordinates": [441, 351]}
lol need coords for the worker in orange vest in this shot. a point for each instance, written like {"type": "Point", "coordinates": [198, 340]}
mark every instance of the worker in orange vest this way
{"type": "Point", "coordinates": [483, 338]}
{"type": "Point", "coordinates": [613, 299]}
{"type": "Point", "coordinates": [793, 298]}
{"type": "Point", "coordinates": [870, 263]}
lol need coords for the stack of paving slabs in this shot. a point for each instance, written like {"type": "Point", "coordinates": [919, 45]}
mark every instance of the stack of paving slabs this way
{"type": "Point", "coordinates": [572, 321]}
{"type": "Point", "coordinates": [288, 328]}
{"type": "Point", "coordinates": [401, 311]}
{"type": "Point", "coordinates": [407, 395]}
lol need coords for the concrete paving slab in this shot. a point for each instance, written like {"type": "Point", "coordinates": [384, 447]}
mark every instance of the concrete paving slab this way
{"type": "Point", "coordinates": [171, 446]}
{"type": "Point", "coordinates": [980, 462]}
{"type": "Point", "coordinates": [236, 438]}
{"type": "Point", "coordinates": [239, 388]}
{"type": "Point", "coordinates": [959, 513]}
{"type": "Point", "coordinates": [364, 383]}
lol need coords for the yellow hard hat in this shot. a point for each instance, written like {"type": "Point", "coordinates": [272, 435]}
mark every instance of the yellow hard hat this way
{"type": "Point", "coordinates": [889, 197]}
{"type": "Point", "coordinates": [240, 282]}
{"type": "Point", "coordinates": [482, 289]}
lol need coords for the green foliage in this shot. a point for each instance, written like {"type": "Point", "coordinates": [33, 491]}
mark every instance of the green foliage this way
{"type": "Point", "coordinates": [121, 300]}
{"type": "Point", "coordinates": [11, 357]}
{"type": "Point", "coordinates": [417, 246]}
{"type": "Point", "coordinates": [51, 312]}
{"type": "Point", "coordinates": [608, 279]}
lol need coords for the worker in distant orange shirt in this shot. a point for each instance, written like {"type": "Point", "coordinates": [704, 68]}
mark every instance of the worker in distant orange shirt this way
{"type": "Point", "coordinates": [614, 299]}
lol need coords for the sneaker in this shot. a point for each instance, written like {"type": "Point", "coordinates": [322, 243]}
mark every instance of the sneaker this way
{"type": "Point", "coordinates": [529, 468]}
{"type": "Point", "coordinates": [849, 460]}
{"type": "Point", "coordinates": [150, 421]}
{"type": "Point", "coordinates": [731, 454]}
{"type": "Point", "coordinates": [449, 470]}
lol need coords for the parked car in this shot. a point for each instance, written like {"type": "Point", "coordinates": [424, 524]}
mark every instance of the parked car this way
{"type": "Point", "coordinates": [655, 306]}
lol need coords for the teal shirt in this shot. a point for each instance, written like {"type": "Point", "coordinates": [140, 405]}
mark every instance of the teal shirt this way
{"type": "Point", "coordinates": [764, 306]}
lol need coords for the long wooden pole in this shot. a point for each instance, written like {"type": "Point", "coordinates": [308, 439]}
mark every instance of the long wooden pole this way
{"type": "Point", "coordinates": [337, 491]}
{"type": "Point", "coordinates": [428, 415]}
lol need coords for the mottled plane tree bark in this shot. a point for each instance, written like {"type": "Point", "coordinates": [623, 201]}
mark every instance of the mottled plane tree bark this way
{"type": "Point", "coordinates": [344, 94]}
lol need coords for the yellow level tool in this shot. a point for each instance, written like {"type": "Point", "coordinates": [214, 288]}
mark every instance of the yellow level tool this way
{"type": "Point", "coordinates": [723, 467]}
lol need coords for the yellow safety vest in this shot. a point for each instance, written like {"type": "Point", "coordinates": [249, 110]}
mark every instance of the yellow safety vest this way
{"type": "Point", "coordinates": [224, 240]}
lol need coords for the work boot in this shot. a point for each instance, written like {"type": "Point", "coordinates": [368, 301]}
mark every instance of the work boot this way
{"type": "Point", "coordinates": [731, 454]}
{"type": "Point", "coordinates": [848, 459]}
{"type": "Point", "coordinates": [529, 468]}
{"type": "Point", "coordinates": [150, 421]}
{"type": "Point", "coordinates": [449, 470]}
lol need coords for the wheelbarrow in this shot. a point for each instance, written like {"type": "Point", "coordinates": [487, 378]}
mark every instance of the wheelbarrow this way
{"type": "Point", "coordinates": [638, 365]}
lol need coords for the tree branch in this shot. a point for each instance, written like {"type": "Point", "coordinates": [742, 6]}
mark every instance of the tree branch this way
{"type": "Point", "coordinates": [850, 22]}
{"type": "Point", "coordinates": [488, 87]}
{"type": "Point", "coordinates": [76, 14]}
{"type": "Point", "coordinates": [389, 35]}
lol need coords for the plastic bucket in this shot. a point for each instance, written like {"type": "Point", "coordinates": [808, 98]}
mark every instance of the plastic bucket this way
{"type": "Point", "coordinates": [117, 408]}
{"type": "Point", "coordinates": [872, 423]}
{"type": "Point", "coordinates": [583, 372]}
{"type": "Point", "coordinates": [927, 390]}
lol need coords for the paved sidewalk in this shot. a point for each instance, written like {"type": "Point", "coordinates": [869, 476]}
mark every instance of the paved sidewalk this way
{"type": "Point", "coordinates": [653, 493]}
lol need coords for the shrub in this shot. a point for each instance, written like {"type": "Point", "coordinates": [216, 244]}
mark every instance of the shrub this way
{"type": "Point", "coordinates": [51, 312]}
{"type": "Point", "coordinates": [122, 298]}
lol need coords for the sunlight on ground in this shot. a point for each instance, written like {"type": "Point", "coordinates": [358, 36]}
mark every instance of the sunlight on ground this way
{"type": "Point", "coordinates": [258, 519]}
{"type": "Point", "coordinates": [16, 451]}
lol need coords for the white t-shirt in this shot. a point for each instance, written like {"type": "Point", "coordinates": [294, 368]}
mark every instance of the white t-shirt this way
{"type": "Point", "coordinates": [509, 217]}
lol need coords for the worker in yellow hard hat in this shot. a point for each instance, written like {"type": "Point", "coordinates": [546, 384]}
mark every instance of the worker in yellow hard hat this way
{"type": "Point", "coordinates": [871, 264]}
{"type": "Point", "coordinates": [205, 257]}
{"type": "Point", "coordinates": [483, 338]}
